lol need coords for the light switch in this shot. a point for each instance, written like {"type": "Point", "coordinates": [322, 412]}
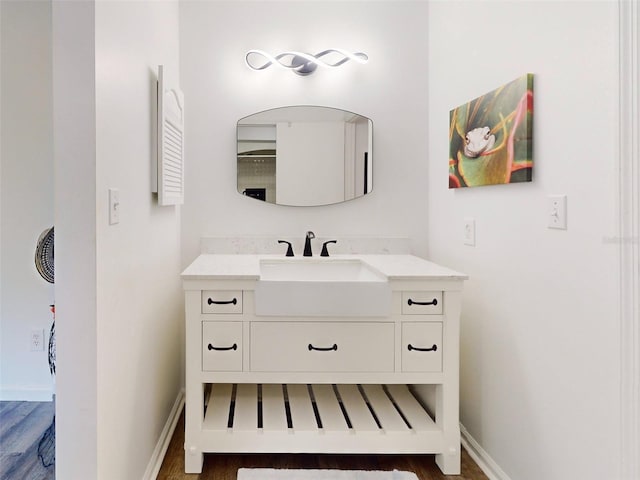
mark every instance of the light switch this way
{"type": "Point", "coordinates": [469, 232]}
{"type": "Point", "coordinates": [114, 206]}
{"type": "Point", "coordinates": [557, 211]}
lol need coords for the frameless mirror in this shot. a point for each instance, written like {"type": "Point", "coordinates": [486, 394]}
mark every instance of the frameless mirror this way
{"type": "Point", "coordinates": [304, 155]}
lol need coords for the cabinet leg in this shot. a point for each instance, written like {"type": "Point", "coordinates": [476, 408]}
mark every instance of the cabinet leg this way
{"type": "Point", "coordinates": [193, 418]}
{"type": "Point", "coordinates": [193, 460]}
{"type": "Point", "coordinates": [449, 462]}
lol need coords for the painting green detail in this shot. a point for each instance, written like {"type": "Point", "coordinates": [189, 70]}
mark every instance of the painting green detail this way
{"type": "Point", "coordinates": [491, 137]}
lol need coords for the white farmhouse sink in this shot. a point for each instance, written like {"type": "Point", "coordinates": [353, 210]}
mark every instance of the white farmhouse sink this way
{"type": "Point", "coordinates": [321, 287]}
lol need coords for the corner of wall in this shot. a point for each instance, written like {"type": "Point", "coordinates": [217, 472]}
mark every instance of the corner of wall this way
{"type": "Point", "coordinates": [74, 120]}
{"type": "Point", "coordinates": [629, 236]}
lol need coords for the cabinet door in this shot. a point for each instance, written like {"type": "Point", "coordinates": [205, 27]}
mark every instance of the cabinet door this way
{"type": "Point", "coordinates": [222, 346]}
{"type": "Point", "coordinates": [421, 347]}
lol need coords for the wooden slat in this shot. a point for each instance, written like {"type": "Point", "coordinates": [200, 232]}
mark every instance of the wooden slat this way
{"type": "Point", "coordinates": [274, 417]}
{"type": "Point", "coordinates": [361, 419]}
{"type": "Point", "coordinates": [226, 466]}
{"type": "Point", "coordinates": [246, 414]}
{"type": "Point", "coordinates": [302, 416]}
{"type": "Point", "coordinates": [219, 403]}
{"type": "Point", "coordinates": [411, 409]}
{"type": "Point", "coordinates": [387, 414]}
{"type": "Point", "coordinates": [329, 409]}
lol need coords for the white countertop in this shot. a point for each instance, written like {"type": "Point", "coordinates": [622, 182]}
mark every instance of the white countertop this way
{"type": "Point", "coordinates": [247, 267]}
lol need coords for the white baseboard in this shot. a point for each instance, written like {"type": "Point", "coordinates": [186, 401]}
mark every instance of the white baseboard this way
{"type": "Point", "coordinates": [490, 468]}
{"type": "Point", "coordinates": [153, 468]}
{"type": "Point", "coordinates": [27, 393]}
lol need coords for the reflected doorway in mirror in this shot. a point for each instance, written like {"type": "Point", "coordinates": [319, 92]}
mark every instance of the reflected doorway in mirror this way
{"type": "Point", "coordinates": [305, 155]}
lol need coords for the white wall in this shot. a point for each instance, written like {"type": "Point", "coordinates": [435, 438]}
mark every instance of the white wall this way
{"type": "Point", "coordinates": [540, 327]}
{"type": "Point", "coordinates": [118, 290]}
{"type": "Point", "coordinates": [1, 229]}
{"type": "Point", "coordinates": [140, 307]}
{"type": "Point", "coordinates": [26, 196]}
{"type": "Point", "coordinates": [391, 90]}
{"type": "Point", "coordinates": [74, 127]}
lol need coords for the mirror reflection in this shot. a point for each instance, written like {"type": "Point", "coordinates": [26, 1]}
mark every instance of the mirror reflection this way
{"type": "Point", "coordinates": [304, 155]}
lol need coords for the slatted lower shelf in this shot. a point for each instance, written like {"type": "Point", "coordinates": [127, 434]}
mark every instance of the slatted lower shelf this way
{"type": "Point", "coordinates": [299, 418]}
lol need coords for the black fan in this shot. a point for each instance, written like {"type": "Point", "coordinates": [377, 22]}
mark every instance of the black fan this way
{"type": "Point", "coordinates": [44, 255]}
{"type": "Point", "coordinates": [45, 265]}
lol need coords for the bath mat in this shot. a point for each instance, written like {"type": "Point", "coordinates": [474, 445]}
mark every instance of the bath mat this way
{"type": "Point", "coordinates": [302, 474]}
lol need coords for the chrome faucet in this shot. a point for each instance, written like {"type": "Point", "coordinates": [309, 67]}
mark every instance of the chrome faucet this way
{"type": "Point", "coordinates": [307, 244]}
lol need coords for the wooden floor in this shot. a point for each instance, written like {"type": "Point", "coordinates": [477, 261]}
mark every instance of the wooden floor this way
{"type": "Point", "coordinates": [225, 466]}
{"type": "Point", "coordinates": [22, 426]}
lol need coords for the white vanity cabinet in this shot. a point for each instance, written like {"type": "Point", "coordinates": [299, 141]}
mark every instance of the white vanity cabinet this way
{"type": "Point", "coordinates": [312, 384]}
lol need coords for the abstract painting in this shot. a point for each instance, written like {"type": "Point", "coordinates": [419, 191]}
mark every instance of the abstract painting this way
{"type": "Point", "coordinates": [491, 137]}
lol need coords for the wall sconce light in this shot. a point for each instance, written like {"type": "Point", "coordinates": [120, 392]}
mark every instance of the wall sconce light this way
{"type": "Point", "coordinates": [302, 63]}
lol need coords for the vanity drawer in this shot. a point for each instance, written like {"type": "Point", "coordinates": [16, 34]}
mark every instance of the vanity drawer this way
{"type": "Point", "coordinates": [422, 303]}
{"type": "Point", "coordinates": [222, 301]}
{"type": "Point", "coordinates": [322, 347]}
{"type": "Point", "coordinates": [222, 346]}
{"type": "Point", "coordinates": [421, 347]}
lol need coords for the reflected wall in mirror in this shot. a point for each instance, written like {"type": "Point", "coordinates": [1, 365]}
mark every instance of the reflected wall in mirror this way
{"type": "Point", "coordinates": [304, 155]}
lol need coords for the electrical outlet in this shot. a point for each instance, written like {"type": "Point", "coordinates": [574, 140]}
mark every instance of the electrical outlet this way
{"type": "Point", "coordinates": [469, 232]}
{"type": "Point", "coordinates": [37, 340]}
{"type": "Point", "coordinates": [557, 211]}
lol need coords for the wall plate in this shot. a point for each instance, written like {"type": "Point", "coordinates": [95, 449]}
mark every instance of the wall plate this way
{"type": "Point", "coordinates": [469, 233]}
{"type": "Point", "coordinates": [557, 211]}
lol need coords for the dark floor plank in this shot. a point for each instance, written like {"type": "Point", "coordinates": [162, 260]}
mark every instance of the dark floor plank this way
{"type": "Point", "coordinates": [22, 425]}
{"type": "Point", "coordinates": [225, 467]}
{"type": "Point", "coordinates": [12, 415]}
{"type": "Point", "coordinates": [26, 429]}
{"type": "Point", "coordinates": [6, 406]}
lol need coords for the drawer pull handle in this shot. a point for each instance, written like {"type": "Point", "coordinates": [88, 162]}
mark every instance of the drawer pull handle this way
{"type": "Point", "coordinates": [419, 349]}
{"type": "Point", "coordinates": [221, 302]}
{"type": "Point", "coordinates": [324, 349]}
{"type": "Point", "coordinates": [223, 349]}
{"type": "Point", "coordinates": [432, 302]}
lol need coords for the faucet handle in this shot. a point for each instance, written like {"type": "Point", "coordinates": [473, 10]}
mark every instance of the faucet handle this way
{"type": "Point", "coordinates": [325, 252]}
{"type": "Point", "coordinates": [307, 244]}
{"type": "Point", "coordinates": [289, 248]}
